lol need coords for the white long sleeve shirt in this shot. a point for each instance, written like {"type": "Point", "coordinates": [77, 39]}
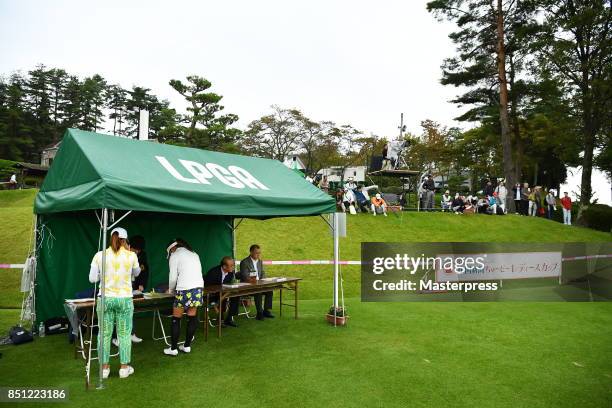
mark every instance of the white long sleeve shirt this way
{"type": "Point", "coordinates": [185, 270]}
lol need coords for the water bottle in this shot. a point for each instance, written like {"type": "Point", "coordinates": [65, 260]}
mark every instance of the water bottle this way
{"type": "Point", "coordinates": [41, 330]}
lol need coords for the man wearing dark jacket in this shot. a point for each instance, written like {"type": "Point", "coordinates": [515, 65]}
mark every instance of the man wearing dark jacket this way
{"type": "Point", "coordinates": [252, 266]}
{"type": "Point", "coordinates": [489, 189]}
{"type": "Point", "coordinates": [219, 275]}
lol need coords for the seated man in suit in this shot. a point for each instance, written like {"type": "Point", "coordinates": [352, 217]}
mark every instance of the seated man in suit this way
{"type": "Point", "coordinates": [253, 266]}
{"type": "Point", "coordinates": [224, 274]}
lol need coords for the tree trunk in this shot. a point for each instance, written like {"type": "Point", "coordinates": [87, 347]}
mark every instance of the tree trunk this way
{"type": "Point", "coordinates": [503, 104]}
{"type": "Point", "coordinates": [586, 191]}
{"type": "Point", "coordinates": [518, 142]}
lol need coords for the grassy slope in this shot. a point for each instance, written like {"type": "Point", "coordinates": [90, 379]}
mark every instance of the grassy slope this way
{"type": "Point", "coordinates": [396, 354]}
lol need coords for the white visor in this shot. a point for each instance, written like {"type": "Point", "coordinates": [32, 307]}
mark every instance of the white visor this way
{"type": "Point", "coordinates": [172, 245]}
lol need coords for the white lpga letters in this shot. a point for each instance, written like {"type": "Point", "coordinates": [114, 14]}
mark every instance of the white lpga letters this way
{"type": "Point", "coordinates": [233, 176]}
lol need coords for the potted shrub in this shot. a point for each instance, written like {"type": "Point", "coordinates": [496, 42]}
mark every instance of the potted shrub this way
{"type": "Point", "coordinates": [338, 318]}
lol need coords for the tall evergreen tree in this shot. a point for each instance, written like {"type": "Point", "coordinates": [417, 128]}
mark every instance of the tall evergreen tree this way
{"type": "Point", "coordinates": [575, 44]}
{"type": "Point", "coordinates": [207, 127]}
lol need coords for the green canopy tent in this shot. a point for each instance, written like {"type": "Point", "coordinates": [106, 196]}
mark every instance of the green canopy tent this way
{"type": "Point", "coordinates": [160, 192]}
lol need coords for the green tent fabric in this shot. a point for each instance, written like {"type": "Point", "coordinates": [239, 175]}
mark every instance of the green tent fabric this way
{"type": "Point", "coordinates": [93, 171]}
{"type": "Point", "coordinates": [172, 192]}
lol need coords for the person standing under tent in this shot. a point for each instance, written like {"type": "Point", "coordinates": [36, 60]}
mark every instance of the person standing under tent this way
{"type": "Point", "coordinates": [566, 203]}
{"type": "Point", "coordinates": [121, 265]}
{"type": "Point", "coordinates": [252, 266]}
{"type": "Point", "coordinates": [140, 282]}
{"type": "Point", "coordinates": [186, 282]}
{"type": "Point", "coordinates": [502, 194]}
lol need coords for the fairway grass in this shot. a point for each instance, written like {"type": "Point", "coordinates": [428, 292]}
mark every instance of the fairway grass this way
{"type": "Point", "coordinates": [422, 354]}
{"type": "Point", "coordinates": [398, 355]}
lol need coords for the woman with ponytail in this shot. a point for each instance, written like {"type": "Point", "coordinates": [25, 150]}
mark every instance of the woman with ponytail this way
{"type": "Point", "coordinates": [121, 267]}
{"type": "Point", "coordinates": [186, 282]}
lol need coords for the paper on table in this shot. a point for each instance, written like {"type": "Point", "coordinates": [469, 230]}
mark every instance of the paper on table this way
{"type": "Point", "coordinates": [149, 295]}
{"type": "Point", "coordinates": [83, 300]}
{"type": "Point", "coordinates": [236, 285]}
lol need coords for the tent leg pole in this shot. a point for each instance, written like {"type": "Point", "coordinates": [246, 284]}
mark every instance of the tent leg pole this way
{"type": "Point", "coordinates": [336, 266]}
{"type": "Point", "coordinates": [233, 238]}
{"type": "Point", "coordinates": [102, 296]}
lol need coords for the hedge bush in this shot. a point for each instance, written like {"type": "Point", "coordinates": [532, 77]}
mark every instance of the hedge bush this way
{"type": "Point", "coordinates": [596, 216]}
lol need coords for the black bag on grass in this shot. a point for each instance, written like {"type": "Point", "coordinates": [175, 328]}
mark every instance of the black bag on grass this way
{"type": "Point", "coordinates": [19, 335]}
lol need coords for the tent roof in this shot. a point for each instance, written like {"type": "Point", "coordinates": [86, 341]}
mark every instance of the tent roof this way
{"type": "Point", "coordinates": [93, 171]}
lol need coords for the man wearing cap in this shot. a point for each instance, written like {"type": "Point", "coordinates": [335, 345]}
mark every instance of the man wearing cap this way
{"type": "Point", "coordinates": [378, 203]}
{"type": "Point", "coordinates": [350, 184]}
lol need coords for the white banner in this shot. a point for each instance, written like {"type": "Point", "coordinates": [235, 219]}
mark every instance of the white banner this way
{"type": "Point", "coordinates": [501, 266]}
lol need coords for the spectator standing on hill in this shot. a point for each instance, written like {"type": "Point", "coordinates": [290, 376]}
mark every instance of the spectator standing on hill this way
{"type": "Point", "coordinates": [566, 203]}
{"type": "Point", "coordinates": [551, 204]}
{"type": "Point", "coordinates": [525, 191]}
{"type": "Point", "coordinates": [517, 198]}
{"type": "Point", "coordinates": [540, 199]}
{"type": "Point", "coordinates": [13, 182]}
{"type": "Point", "coordinates": [532, 203]}
{"type": "Point", "coordinates": [502, 194]}
{"type": "Point", "coordinates": [488, 190]}
{"type": "Point", "coordinates": [430, 187]}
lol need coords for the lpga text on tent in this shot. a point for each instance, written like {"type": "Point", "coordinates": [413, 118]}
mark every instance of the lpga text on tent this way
{"type": "Point", "coordinates": [232, 176]}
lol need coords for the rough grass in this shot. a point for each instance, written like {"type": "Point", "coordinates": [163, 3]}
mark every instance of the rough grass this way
{"type": "Point", "coordinates": [392, 354]}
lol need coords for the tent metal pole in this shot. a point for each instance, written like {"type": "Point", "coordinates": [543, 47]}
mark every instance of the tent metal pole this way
{"type": "Point", "coordinates": [233, 238]}
{"type": "Point", "coordinates": [119, 220]}
{"type": "Point", "coordinates": [336, 258]}
{"type": "Point", "coordinates": [102, 295]}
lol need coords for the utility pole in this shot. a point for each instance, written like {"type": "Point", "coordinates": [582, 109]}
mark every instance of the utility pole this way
{"type": "Point", "coordinates": [402, 127]}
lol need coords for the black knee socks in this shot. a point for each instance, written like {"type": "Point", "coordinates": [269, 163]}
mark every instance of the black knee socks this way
{"type": "Point", "coordinates": [176, 331]}
{"type": "Point", "coordinates": [192, 326]}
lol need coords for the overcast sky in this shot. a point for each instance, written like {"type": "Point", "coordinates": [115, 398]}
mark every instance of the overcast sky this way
{"type": "Point", "coordinates": [357, 62]}
{"type": "Point", "coordinates": [351, 62]}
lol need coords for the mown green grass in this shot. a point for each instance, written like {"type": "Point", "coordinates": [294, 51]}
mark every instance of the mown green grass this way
{"type": "Point", "coordinates": [517, 354]}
